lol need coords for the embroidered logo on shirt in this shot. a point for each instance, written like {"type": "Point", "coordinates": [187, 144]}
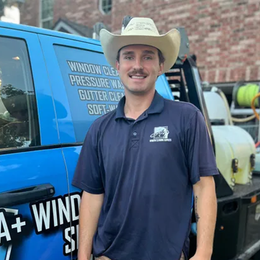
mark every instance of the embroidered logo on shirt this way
{"type": "Point", "coordinates": [160, 134]}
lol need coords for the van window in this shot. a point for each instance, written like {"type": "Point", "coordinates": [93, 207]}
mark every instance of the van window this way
{"type": "Point", "coordinates": [93, 87]}
{"type": "Point", "coordinates": [18, 114]}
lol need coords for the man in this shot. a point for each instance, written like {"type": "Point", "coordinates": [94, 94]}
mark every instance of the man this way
{"type": "Point", "coordinates": [141, 163]}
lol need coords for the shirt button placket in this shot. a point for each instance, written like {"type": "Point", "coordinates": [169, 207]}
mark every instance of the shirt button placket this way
{"type": "Point", "coordinates": [134, 136]}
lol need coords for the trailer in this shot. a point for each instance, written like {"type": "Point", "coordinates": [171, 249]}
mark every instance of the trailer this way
{"type": "Point", "coordinates": [237, 233]}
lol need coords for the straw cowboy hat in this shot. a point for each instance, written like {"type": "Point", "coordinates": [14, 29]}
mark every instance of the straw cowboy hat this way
{"type": "Point", "coordinates": [141, 31]}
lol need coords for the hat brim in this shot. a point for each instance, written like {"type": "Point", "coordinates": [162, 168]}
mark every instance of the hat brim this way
{"type": "Point", "coordinates": [168, 44]}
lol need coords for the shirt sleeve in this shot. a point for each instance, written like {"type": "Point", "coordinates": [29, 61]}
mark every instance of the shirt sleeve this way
{"type": "Point", "coordinates": [88, 175]}
{"type": "Point", "coordinates": [199, 150]}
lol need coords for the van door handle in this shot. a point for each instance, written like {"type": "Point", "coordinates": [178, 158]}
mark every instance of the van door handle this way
{"type": "Point", "coordinates": [25, 195]}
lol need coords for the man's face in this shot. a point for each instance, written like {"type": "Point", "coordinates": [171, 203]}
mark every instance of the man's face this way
{"type": "Point", "coordinates": [138, 68]}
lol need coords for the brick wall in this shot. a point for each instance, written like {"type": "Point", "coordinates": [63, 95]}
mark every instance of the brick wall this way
{"type": "Point", "coordinates": [29, 12]}
{"type": "Point", "coordinates": [224, 34]}
{"type": "Point", "coordinates": [79, 11]}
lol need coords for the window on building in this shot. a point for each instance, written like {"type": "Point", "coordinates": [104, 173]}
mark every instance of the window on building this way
{"type": "Point", "coordinates": [18, 112]}
{"type": "Point", "coordinates": [46, 12]}
{"type": "Point", "coordinates": [105, 6]}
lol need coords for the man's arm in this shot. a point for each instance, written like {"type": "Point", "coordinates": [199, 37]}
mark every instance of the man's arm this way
{"type": "Point", "coordinates": [90, 208]}
{"type": "Point", "coordinates": [205, 212]}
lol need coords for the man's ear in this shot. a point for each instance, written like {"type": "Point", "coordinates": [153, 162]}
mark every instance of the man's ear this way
{"type": "Point", "coordinates": [161, 69]}
{"type": "Point", "coordinates": [117, 66]}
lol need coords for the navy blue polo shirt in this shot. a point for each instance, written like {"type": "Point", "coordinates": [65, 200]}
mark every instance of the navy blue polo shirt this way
{"type": "Point", "coordinates": [146, 169]}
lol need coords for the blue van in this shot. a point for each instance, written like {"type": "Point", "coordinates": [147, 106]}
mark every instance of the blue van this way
{"type": "Point", "coordinates": [52, 87]}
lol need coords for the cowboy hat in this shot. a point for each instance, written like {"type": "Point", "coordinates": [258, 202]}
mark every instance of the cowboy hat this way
{"type": "Point", "coordinates": [141, 31]}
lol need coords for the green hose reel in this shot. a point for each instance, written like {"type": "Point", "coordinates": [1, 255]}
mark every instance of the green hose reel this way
{"type": "Point", "coordinates": [244, 93]}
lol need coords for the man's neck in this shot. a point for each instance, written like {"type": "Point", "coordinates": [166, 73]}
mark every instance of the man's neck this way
{"type": "Point", "coordinates": [135, 105]}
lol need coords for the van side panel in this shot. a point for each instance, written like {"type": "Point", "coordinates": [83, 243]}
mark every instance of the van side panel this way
{"type": "Point", "coordinates": [34, 201]}
{"type": "Point", "coordinates": [65, 92]}
{"type": "Point", "coordinates": [162, 86]}
{"type": "Point", "coordinates": [45, 221]}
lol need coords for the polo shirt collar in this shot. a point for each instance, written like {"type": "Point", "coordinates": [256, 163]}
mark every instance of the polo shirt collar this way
{"type": "Point", "coordinates": [156, 106]}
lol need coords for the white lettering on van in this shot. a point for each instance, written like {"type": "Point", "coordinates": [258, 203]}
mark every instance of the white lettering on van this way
{"type": "Point", "coordinates": [75, 201]}
{"type": "Point", "coordinates": [92, 95]}
{"type": "Point", "coordinates": [70, 236]}
{"type": "Point", "coordinates": [115, 96]}
{"type": "Point", "coordinates": [55, 218]}
{"type": "Point", "coordinates": [110, 71]}
{"type": "Point", "coordinates": [42, 216]}
{"type": "Point", "coordinates": [83, 67]}
{"type": "Point", "coordinates": [4, 231]}
{"type": "Point", "coordinates": [100, 109]}
{"type": "Point", "coordinates": [64, 210]}
{"type": "Point", "coordinates": [85, 81]}
{"type": "Point", "coordinates": [56, 212]}
{"type": "Point", "coordinates": [97, 109]}
{"type": "Point", "coordinates": [112, 107]}
{"type": "Point", "coordinates": [116, 84]}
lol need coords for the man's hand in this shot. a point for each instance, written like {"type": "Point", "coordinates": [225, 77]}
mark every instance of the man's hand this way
{"type": "Point", "coordinates": [197, 257]}
{"type": "Point", "coordinates": [205, 212]}
{"type": "Point", "coordinates": [90, 208]}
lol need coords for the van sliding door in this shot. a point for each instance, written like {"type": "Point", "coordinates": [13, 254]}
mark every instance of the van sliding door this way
{"type": "Point", "coordinates": [34, 203]}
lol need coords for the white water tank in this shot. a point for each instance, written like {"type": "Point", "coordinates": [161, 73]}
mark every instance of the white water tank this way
{"type": "Point", "coordinates": [216, 106]}
{"type": "Point", "coordinates": [233, 142]}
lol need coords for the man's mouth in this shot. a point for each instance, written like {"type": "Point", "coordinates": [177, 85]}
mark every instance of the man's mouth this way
{"type": "Point", "coordinates": [137, 76]}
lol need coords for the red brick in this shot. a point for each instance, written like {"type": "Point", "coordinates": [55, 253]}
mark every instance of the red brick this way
{"type": "Point", "coordinates": [211, 76]}
{"type": "Point", "coordinates": [254, 73]}
{"type": "Point", "coordinates": [200, 18]}
{"type": "Point", "coordinates": [222, 75]}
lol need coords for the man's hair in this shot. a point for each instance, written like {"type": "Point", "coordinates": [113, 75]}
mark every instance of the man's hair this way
{"type": "Point", "coordinates": [161, 57]}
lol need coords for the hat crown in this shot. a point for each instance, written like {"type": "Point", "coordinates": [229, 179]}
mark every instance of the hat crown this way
{"type": "Point", "coordinates": [141, 31]}
{"type": "Point", "coordinates": [141, 26]}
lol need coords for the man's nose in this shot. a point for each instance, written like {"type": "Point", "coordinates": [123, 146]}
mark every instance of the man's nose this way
{"type": "Point", "coordinates": [138, 64]}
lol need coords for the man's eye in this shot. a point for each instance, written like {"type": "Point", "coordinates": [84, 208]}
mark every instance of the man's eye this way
{"type": "Point", "coordinates": [128, 58]}
{"type": "Point", "coordinates": [148, 58]}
